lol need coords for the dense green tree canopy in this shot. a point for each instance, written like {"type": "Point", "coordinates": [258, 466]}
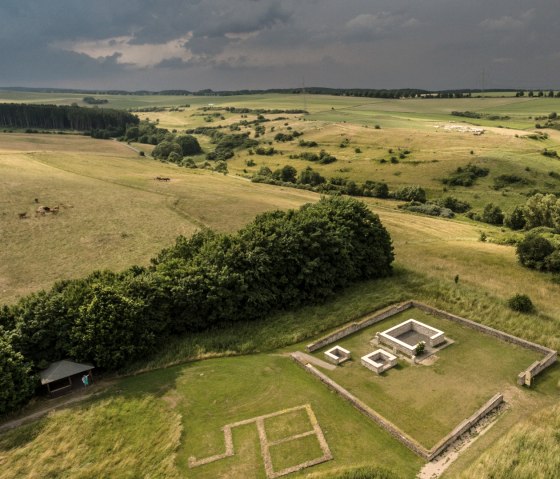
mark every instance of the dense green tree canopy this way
{"type": "Point", "coordinates": [282, 260]}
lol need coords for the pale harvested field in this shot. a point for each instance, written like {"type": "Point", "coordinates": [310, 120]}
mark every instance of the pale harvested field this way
{"type": "Point", "coordinates": [117, 215]}
{"type": "Point", "coordinates": [113, 213]}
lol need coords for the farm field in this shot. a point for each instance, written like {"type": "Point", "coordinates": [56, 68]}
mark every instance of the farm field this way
{"type": "Point", "coordinates": [423, 127]}
{"type": "Point", "coordinates": [116, 215]}
{"type": "Point", "coordinates": [113, 213]}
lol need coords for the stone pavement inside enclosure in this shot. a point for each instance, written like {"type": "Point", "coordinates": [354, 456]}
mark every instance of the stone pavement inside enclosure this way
{"type": "Point", "coordinates": [412, 338]}
{"type": "Point", "coordinates": [266, 443]}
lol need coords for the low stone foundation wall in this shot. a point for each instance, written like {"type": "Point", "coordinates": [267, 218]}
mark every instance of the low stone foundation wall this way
{"type": "Point", "coordinates": [524, 377]}
{"type": "Point", "coordinates": [405, 439]}
{"type": "Point", "coordinates": [337, 355]}
{"type": "Point", "coordinates": [357, 326]}
{"type": "Point", "coordinates": [397, 345]}
{"type": "Point", "coordinates": [464, 426]}
{"type": "Point", "coordinates": [365, 409]}
{"type": "Point", "coordinates": [371, 361]}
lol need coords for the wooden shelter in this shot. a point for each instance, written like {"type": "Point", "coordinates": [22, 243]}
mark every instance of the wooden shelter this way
{"type": "Point", "coordinates": [63, 376]}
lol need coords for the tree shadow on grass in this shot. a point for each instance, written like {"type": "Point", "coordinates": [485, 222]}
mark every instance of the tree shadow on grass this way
{"type": "Point", "coordinates": [19, 437]}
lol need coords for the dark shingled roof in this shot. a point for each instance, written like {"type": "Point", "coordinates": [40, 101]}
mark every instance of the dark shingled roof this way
{"type": "Point", "coordinates": [63, 369]}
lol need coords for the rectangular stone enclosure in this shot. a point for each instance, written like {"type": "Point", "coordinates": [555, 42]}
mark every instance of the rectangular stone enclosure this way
{"type": "Point", "coordinates": [405, 337]}
{"type": "Point", "coordinates": [379, 361]}
{"type": "Point", "coordinates": [337, 355]}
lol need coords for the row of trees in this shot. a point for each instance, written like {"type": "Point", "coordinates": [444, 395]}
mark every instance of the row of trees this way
{"type": "Point", "coordinates": [282, 260]}
{"type": "Point", "coordinates": [538, 93]}
{"type": "Point", "coordinates": [53, 117]}
{"type": "Point", "coordinates": [312, 180]}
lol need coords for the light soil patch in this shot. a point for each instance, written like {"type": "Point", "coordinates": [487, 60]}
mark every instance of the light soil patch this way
{"type": "Point", "coordinates": [266, 444]}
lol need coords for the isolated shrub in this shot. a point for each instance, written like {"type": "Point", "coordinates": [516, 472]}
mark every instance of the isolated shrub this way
{"type": "Point", "coordinates": [221, 167]}
{"type": "Point", "coordinates": [411, 193]}
{"type": "Point", "coordinates": [380, 190]}
{"type": "Point", "coordinates": [533, 250]}
{"type": "Point", "coordinates": [265, 171]}
{"type": "Point", "coordinates": [188, 163]}
{"type": "Point", "coordinates": [492, 214]}
{"type": "Point", "coordinates": [325, 158]}
{"type": "Point", "coordinates": [420, 347]}
{"type": "Point", "coordinates": [516, 220]}
{"type": "Point", "coordinates": [308, 144]}
{"type": "Point", "coordinates": [550, 153]}
{"type": "Point", "coordinates": [283, 137]}
{"type": "Point", "coordinates": [16, 380]}
{"type": "Point", "coordinates": [521, 303]}
{"type": "Point", "coordinates": [376, 189]}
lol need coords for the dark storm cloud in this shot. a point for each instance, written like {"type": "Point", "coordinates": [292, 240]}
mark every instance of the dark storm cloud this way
{"type": "Point", "coordinates": [233, 44]}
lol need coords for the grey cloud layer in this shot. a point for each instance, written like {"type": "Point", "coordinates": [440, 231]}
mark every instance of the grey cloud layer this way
{"type": "Point", "coordinates": [229, 44]}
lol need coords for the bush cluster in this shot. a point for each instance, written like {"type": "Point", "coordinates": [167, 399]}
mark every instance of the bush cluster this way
{"type": "Point", "coordinates": [281, 260]}
{"type": "Point", "coordinates": [465, 176]}
{"type": "Point", "coordinates": [454, 204]}
{"type": "Point", "coordinates": [226, 144]}
{"type": "Point", "coordinates": [310, 179]}
{"type": "Point", "coordinates": [536, 252]}
{"type": "Point", "coordinates": [411, 193]}
{"type": "Point", "coordinates": [323, 158]}
{"type": "Point", "coordinates": [502, 181]}
{"type": "Point", "coordinates": [430, 209]}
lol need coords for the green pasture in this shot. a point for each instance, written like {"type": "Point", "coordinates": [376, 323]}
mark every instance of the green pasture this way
{"type": "Point", "coordinates": [151, 424]}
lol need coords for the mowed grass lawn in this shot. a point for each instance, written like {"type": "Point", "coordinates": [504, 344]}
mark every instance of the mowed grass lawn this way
{"type": "Point", "coordinates": [428, 401]}
{"type": "Point", "coordinates": [149, 425]}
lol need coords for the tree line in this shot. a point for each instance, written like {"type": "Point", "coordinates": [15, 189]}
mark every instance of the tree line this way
{"type": "Point", "coordinates": [53, 117]}
{"type": "Point", "coordinates": [282, 260]}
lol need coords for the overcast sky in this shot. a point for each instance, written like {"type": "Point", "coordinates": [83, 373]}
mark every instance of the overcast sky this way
{"type": "Point", "coordinates": [233, 44]}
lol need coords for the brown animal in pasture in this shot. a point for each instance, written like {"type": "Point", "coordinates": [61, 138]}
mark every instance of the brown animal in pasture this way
{"type": "Point", "coordinates": [42, 210]}
{"type": "Point", "coordinates": [22, 216]}
{"type": "Point", "coordinates": [163, 178]}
